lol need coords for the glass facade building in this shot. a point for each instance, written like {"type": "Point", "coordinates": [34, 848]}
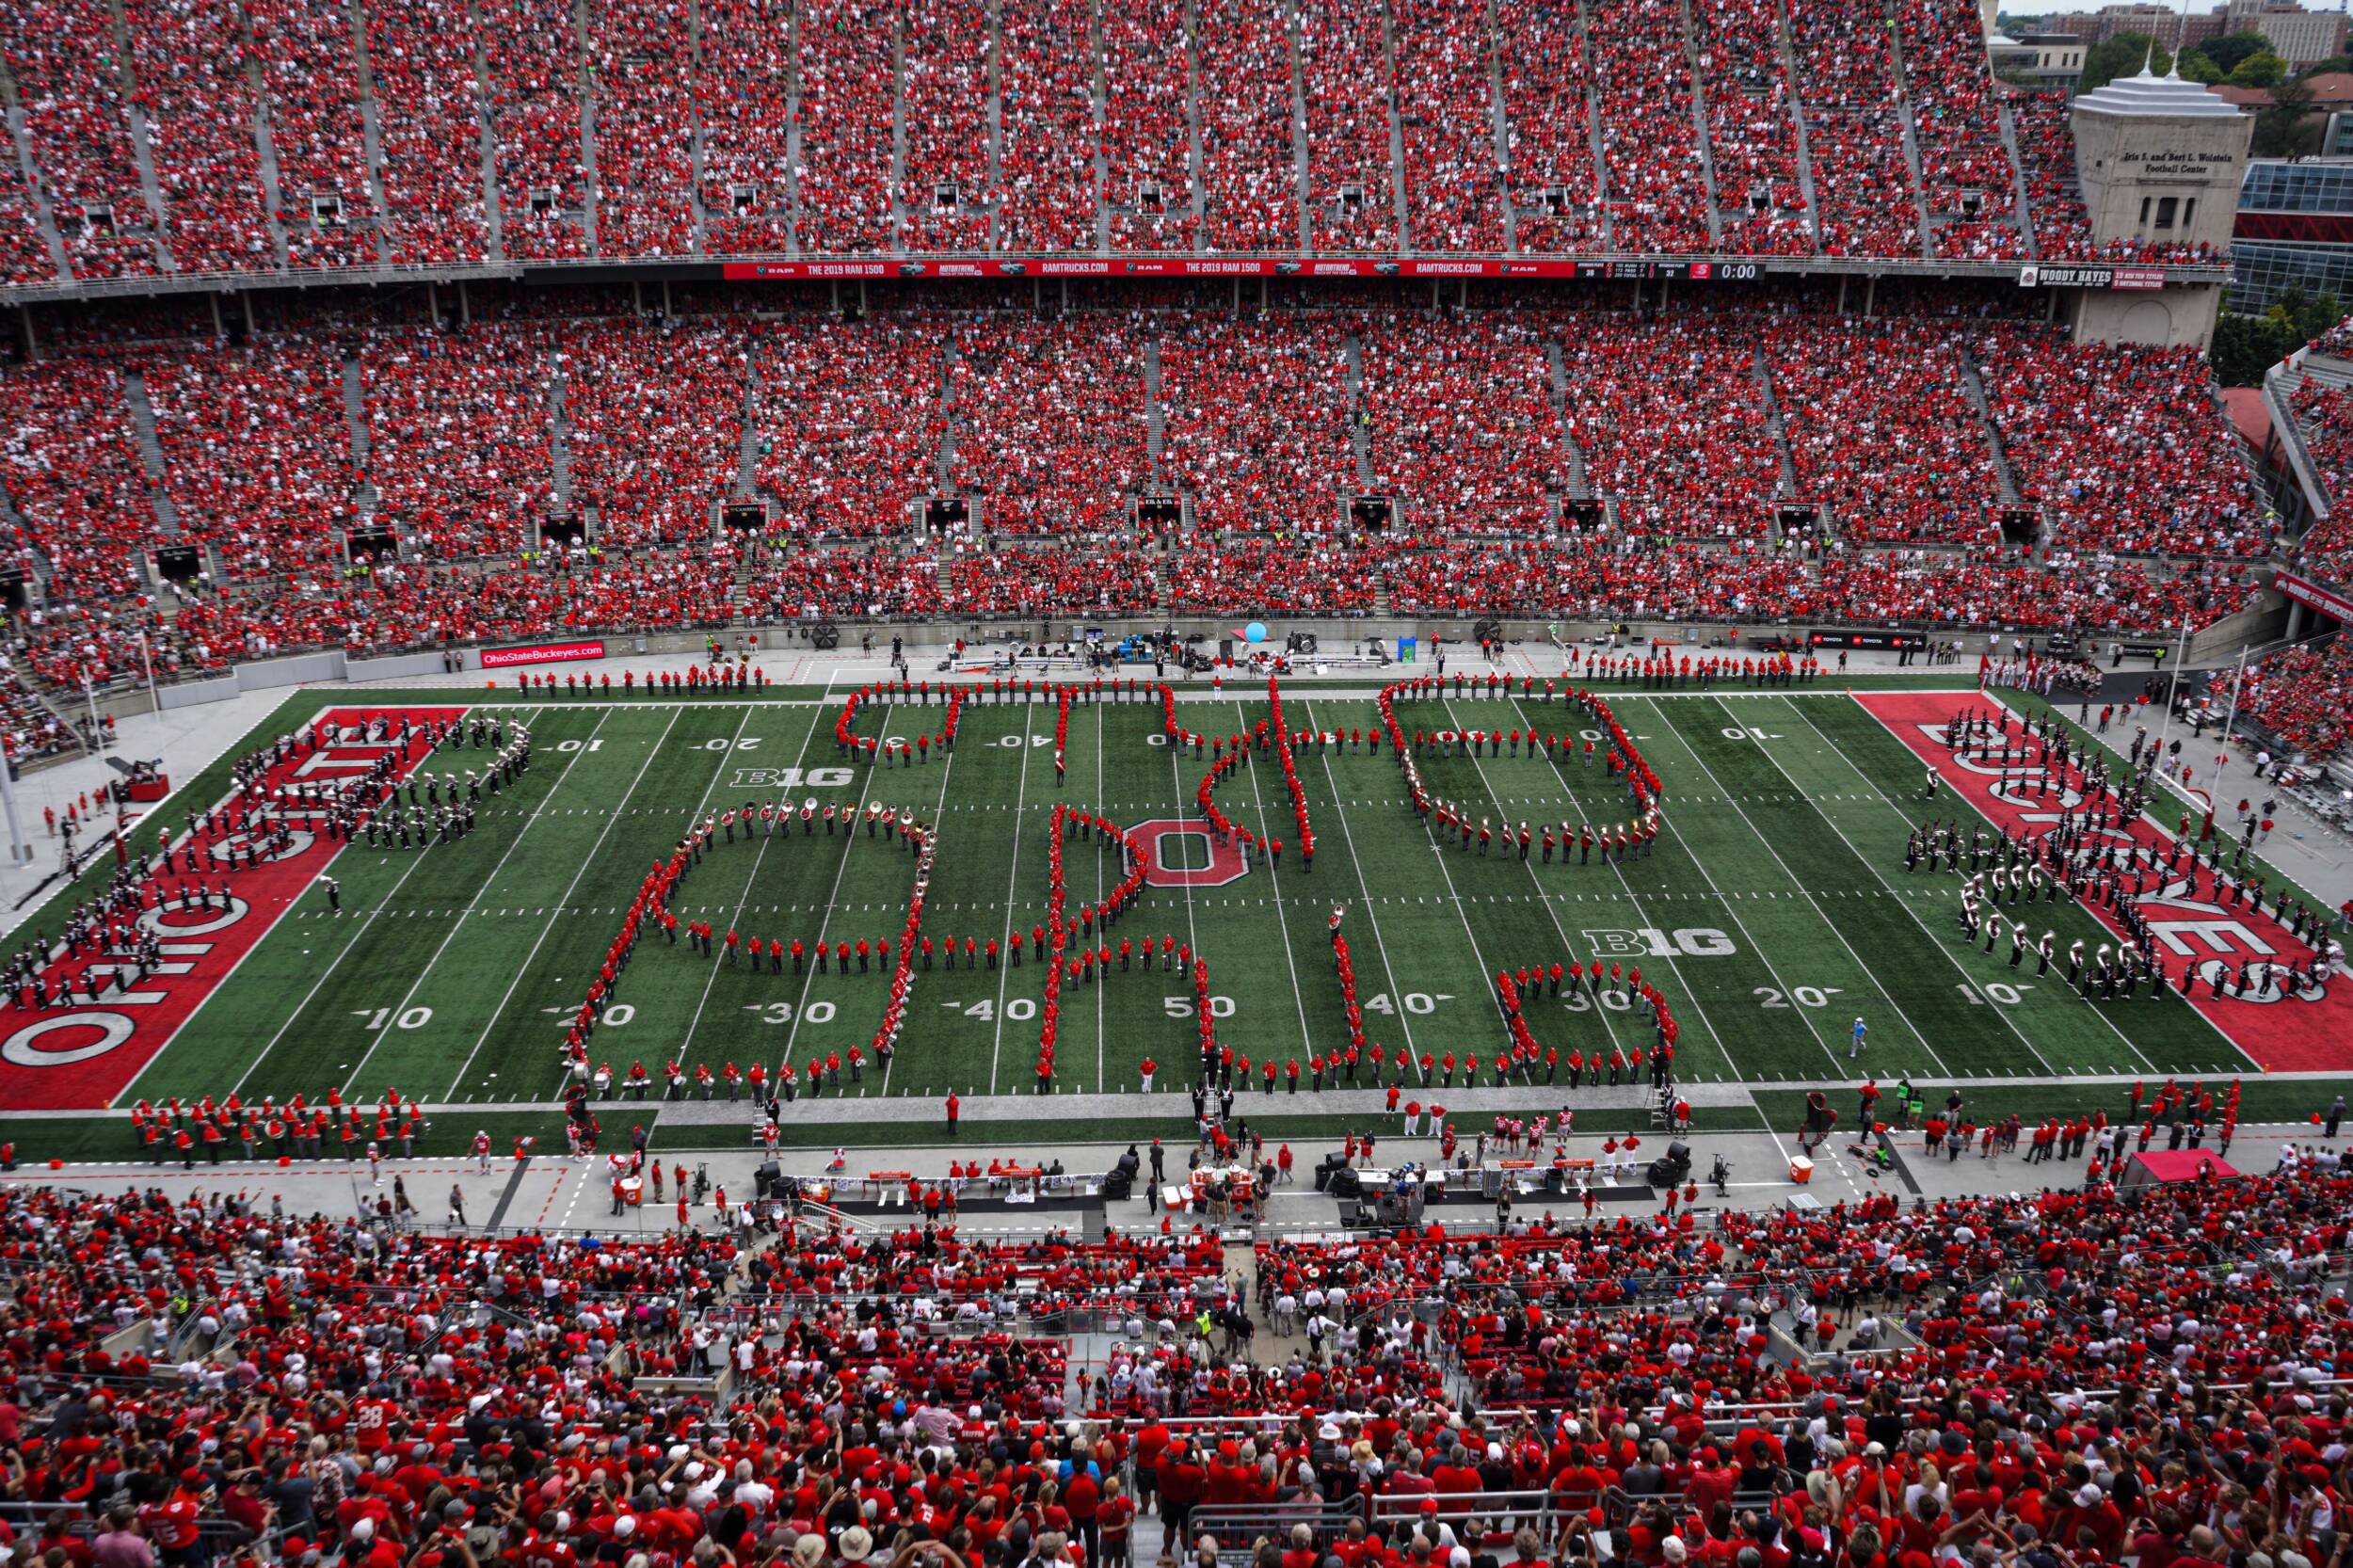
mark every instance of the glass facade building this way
{"type": "Point", "coordinates": [2294, 227]}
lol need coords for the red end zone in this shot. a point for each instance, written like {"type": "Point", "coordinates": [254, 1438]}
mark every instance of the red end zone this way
{"type": "Point", "coordinates": [2310, 1030]}
{"type": "Point", "coordinates": [80, 1057]}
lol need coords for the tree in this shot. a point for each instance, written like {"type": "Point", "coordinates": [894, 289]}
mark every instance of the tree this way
{"type": "Point", "coordinates": [2121, 55]}
{"type": "Point", "coordinates": [2286, 129]}
{"type": "Point", "coordinates": [2193, 66]}
{"type": "Point", "coordinates": [2265, 70]}
{"type": "Point", "coordinates": [2228, 53]}
{"type": "Point", "coordinates": [2333, 64]}
{"type": "Point", "coordinates": [2245, 346]}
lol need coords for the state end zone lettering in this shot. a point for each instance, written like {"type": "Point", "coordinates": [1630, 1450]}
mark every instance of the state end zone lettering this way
{"type": "Point", "coordinates": [82, 1056]}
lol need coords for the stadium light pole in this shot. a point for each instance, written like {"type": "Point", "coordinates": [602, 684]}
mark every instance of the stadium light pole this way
{"type": "Point", "coordinates": [20, 851]}
{"type": "Point", "coordinates": [2173, 690]}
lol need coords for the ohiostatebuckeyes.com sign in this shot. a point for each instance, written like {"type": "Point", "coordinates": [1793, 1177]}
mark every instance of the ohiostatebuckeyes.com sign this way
{"type": "Point", "coordinates": [539, 653]}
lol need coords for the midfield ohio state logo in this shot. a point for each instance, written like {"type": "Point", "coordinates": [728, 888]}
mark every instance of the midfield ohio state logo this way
{"type": "Point", "coordinates": [1186, 855]}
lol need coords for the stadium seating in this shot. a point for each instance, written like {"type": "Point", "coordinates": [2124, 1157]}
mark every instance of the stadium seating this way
{"type": "Point", "coordinates": [2303, 695]}
{"type": "Point", "coordinates": [2325, 412]}
{"type": "Point", "coordinates": [462, 441]}
{"type": "Point", "coordinates": [1454, 200]}
{"type": "Point", "coordinates": [1620, 1363]}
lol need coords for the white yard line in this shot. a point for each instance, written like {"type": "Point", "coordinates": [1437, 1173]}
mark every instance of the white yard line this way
{"type": "Point", "coordinates": [1905, 818]}
{"type": "Point", "coordinates": [1013, 886]}
{"type": "Point", "coordinates": [459, 924]}
{"type": "Point", "coordinates": [1404, 1020]}
{"type": "Point", "coordinates": [587, 860]}
{"type": "Point", "coordinates": [1869, 974]}
{"type": "Point", "coordinates": [1306, 1036]}
{"type": "Point", "coordinates": [751, 880]}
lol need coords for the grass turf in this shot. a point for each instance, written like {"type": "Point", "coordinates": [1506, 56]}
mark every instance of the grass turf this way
{"type": "Point", "coordinates": [1774, 912]}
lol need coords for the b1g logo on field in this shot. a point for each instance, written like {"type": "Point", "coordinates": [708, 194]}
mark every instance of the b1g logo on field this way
{"type": "Point", "coordinates": [1186, 855]}
{"type": "Point", "coordinates": [1648, 941]}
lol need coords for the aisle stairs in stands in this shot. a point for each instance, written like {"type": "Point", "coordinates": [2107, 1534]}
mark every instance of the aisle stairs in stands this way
{"type": "Point", "coordinates": [142, 147]}
{"type": "Point", "coordinates": [21, 153]}
{"type": "Point", "coordinates": [1911, 139]}
{"type": "Point", "coordinates": [365, 498]}
{"type": "Point", "coordinates": [1973, 385]}
{"type": "Point", "coordinates": [1359, 434]}
{"type": "Point", "coordinates": [1786, 49]}
{"type": "Point", "coordinates": [1581, 483]}
{"type": "Point", "coordinates": [1699, 125]}
{"type": "Point", "coordinates": [259, 85]}
{"type": "Point", "coordinates": [1775, 427]}
{"type": "Point", "coordinates": [560, 440]}
{"type": "Point", "coordinates": [150, 452]}
{"type": "Point", "coordinates": [2017, 179]}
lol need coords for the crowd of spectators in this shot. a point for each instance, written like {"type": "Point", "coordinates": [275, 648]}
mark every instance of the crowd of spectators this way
{"type": "Point", "coordinates": [326, 205]}
{"type": "Point", "coordinates": [2120, 445]}
{"type": "Point", "coordinates": [2072, 1374]}
{"type": "Point", "coordinates": [1248, 125]}
{"type": "Point", "coordinates": [1666, 414]}
{"type": "Point", "coordinates": [2324, 414]}
{"type": "Point", "coordinates": [29, 727]}
{"type": "Point", "coordinates": [1040, 426]}
{"type": "Point", "coordinates": [1050, 422]}
{"type": "Point", "coordinates": [1751, 127]}
{"type": "Point", "coordinates": [68, 78]}
{"type": "Point", "coordinates": [428, 121]}
{"type": "Point", "coordinates": [847, 420]}
{"type": "Point", "coordinates": [1549, 124]}
{"type": "Point", "coordinates": [257, 451]}
{"type": "Point", "coordinates": [1044, 157]}
{"type": "Point", "coordinates": [1881, 430]}
{"type": "Point", "coordinates": [1965, 172]}
{"type": "Point", "coordinates": [1020, 582]}
{"type": "Point", "coordinates": [1344, 73]}
{"type": "Point", "coordinates": [1454, 195]}
{"type": "Point", "coordinates": [531, 54]}
{"type": "Point", "coordinates": [1866, 201]}
{"type": "Point", "coordinates": [640, 74]}
{"type": "Point", "coordinates": [847, 83]}
{"type": "Point", "coordinates": [1655, 173]}
{"type": "Point", "coordinates": [1256, 421]}
{"type": "Point", "coordinates": [459, 434]}
{"type": "Point", "coordinates": [654, 415]}
{"type": "Point", "coordinates": [949, 183]}
{"type": "Point", "coordinates": [742, 84]}
{"type": "Point", "coordinates": [72, 475]}
{"type": "Point", "coordinates": [188, 58]}
{"type": "Point", "coordinates": [2303, 695]}
{"type": "Point", "coordinates": [1147, 129]}
{"type": "Point", "coordinates": [1462, 422]}
{"type": "Point", "coordinates": [948, 128]}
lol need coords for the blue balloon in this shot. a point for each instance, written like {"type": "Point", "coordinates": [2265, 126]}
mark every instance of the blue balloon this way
{"type": "Point", "coordinates": [1255, 631]}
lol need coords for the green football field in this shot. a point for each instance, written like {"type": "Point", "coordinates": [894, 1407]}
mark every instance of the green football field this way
{"type": "Point", "coordinates": [1775, 911]}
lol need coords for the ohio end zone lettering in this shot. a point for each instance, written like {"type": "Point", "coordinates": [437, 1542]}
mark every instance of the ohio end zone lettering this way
{"type": "Point", "coordinates": [2313, 1031]}
{"type": "Point", "coordinates": [75, 1057]}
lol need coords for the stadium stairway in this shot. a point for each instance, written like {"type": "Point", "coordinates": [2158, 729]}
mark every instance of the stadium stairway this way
{"type": "Point", "coordinates": [372, 145]}
{"type": "Point", "coordinates": [1786, 49]}
{"type": "Point", "coordinates": [150, 452]}
{"type": "Point", "coordinates": [899, 130]}
{"type": "Point", "coordinates": [365, 498]}
{"type": "Point", "coordinates": [142, 138]}
{"type": "Point", "coordinates": [1775, 426]}
{"type": "Point", "coordinates": [1498, 127]}
{"type": "Point", "coordinates": [1973, 384]}
{"type": "Point", "coordinates": [1580, 484]}
{"type": "Point", "coordinates": [560, 440]}
{"type": "Point", "coordinates": [1397, 128]}
{"type": "Point", "coordinates": [1359, 435]}
{"type": "Point", "coordinates": [272, 206]}
{"type": "Point", "coordinates": [1291, 25]}
{"type": "Point", "coordinates": [1155, 414]}
{"type": "Point", "coordinates": [1911, 139]}
{"type": "Point", "coordinates": [493, 231]}
{"type": "Point", "coordinates": [587, 121]}
{"type": "Point", "coordinates": [20, 149]}
{"type": "Point", "coordinates": [2019, 195]}
{"type": "Point", "coordinates": [1699, 125]}
{"type": "Point", "coordinates": [1097, 107]}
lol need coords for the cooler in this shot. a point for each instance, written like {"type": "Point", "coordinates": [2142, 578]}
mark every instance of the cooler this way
{"type": "Point", "coordinates": [1801, 1169]}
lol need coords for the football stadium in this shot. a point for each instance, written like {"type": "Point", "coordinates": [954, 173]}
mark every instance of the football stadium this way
{"type": "Point", "coordinates": [1306, 784]}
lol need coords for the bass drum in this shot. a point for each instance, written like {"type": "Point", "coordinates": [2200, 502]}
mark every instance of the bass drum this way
{"type": "Point", "coordinates": [824, 637]}
{"type": "Point", "coordinates": [1487, 629]}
